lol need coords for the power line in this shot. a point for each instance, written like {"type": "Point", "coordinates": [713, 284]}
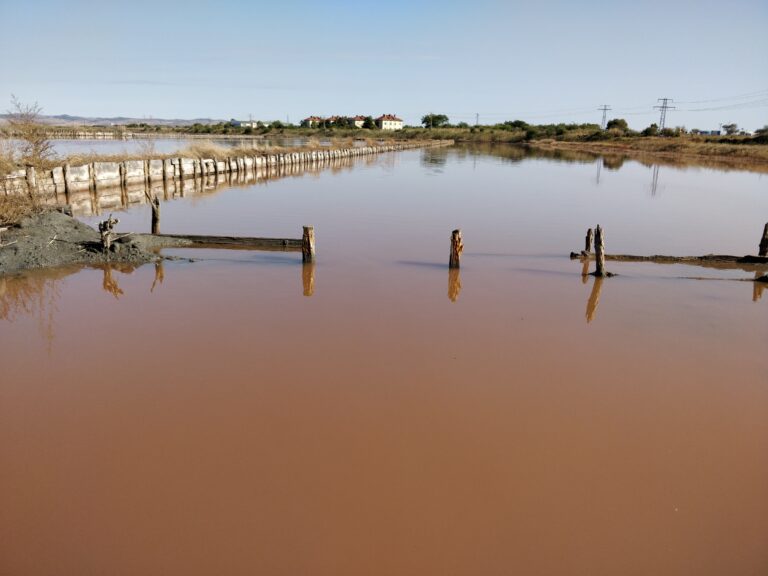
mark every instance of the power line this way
{"type": "Point", "coordinates": [747, 96]}
{"type": "Point", "coordinates": [663, 108]}
{"type": "Point", "coordinates": [605, 109]}
{"type": "Point", "coordinates": [740, 106]}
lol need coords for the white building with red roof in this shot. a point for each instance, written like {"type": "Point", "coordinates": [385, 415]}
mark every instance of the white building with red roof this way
{"type": "Point", "coordinates": [389, 122]}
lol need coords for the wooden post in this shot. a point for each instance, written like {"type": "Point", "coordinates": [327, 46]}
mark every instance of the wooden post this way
{"type": "Point", "coordinates": [308, 244]}
{"type": "Point", "coordinates": [588, 241]}
{"type": "Point", "coordinates": [155, 202]}
{"type": "Point", "coordinates": [31, 179]}
{"type": "Point", "coordinates": [764, 242]}
{"type": "Point", "coordinates": [599, 252]}
{"type": "Point", "coordinates": [66, 181]}
{"type": "Point", "coordinates": [457, 247]}
{"type": "Point", "coordinates": [105, 229]}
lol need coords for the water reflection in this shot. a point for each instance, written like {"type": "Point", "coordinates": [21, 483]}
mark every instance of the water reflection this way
{"type": "Point", "coordinates": [159, 275]}
{"type": "Point", "coordinates": [94, 201]}
{"type": "Point", "coordinates": [594, 298]}
{"type": "Point", "coordinates": [758, 286]}
{"type": "Point", "coordinates": [36, 294]}
{"type": "Point", "coordinates": [655, 180]}
{"type": "Point", "coordinates": [454, 284]}
{"type": "Point", "coordinates": [308, 278]}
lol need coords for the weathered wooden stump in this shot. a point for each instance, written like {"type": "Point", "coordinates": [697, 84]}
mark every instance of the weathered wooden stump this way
{"type": "Point", "coordinates": [588, 240]}
{"type": "Point", "coordinates": [105, 229]}
{"type": "Point", "coordinates": [155, 203]}
{"type": "Point", "coordinates": [600, 254]}
{"type": "Point", "coordinates": [764, 242]}
{"type": "Point", "coordinates": [308, 244]}
{"type": "Point", "coordinates": [457, 247]}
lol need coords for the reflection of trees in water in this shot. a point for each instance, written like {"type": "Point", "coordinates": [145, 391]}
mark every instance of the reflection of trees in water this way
{"type": "Point", "coordinates": [35, 293]}
{"type": "Point", "coordinates": [613, 162]}
{"type": "Point", "coordinates": [517, 153]}
{"type": "Point", "coordinates": [434, 158]}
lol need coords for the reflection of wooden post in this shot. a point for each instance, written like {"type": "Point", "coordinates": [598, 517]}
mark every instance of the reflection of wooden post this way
{"type": "Point", "coordinates": [308, 278]}
{"type": "Point", "coordinates": [588, 241]}
{"type": "Point", "coordinates": [155, 203]}
{"type": "Point", "coordinates": [457, 246]}
{"type": "Point", "coordinates": [599, 252]}
{"type": "Point", "coordinates": [594, 299]}
{"type": "Point", "coordinates": [758, 286]}
{"type": "Point", "coordinates": [308, 244]}
{"type": "Point", "coordinates": [159, 275]}
{"type": "Point", "coordinates": [584, 269]}
{"type": "Point", "coordinates": [454, 284]}
{"type": "Point", "coordinates": [764, 242]}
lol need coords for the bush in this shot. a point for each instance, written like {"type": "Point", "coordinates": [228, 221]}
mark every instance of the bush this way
{"type": "Point", "coordinates": [617, 123]}
{"type": "Point", "coordinates": [652, 130]}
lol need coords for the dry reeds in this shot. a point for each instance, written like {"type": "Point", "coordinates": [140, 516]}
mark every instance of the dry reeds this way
{"type": "Point", "coordinates": [15, 207]}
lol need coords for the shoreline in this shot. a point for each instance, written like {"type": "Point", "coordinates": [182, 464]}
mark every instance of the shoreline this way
{"type": "Point", "coordinates": [679, 156]}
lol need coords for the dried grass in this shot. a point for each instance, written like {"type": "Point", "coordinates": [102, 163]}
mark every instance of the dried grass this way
{"type": "Point", "coordinates": [14, 208]}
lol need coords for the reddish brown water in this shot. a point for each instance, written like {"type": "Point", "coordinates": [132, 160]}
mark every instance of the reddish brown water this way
{"type": "Point", "coordinates": [211, 418]}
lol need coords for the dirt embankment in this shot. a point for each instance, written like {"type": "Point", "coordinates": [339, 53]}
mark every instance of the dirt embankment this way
{"type": "Point", "coordinates": [52, 238]}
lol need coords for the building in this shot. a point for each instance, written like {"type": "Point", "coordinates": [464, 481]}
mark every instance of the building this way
{"type": "Point", "coordinates": [358, 121]}
{"type": "Point", "coordinates": [244, 123]}
{"type": "Point", "coordinates": [389, 122]}
{"type": "Point", "coordinates": [312, 121]}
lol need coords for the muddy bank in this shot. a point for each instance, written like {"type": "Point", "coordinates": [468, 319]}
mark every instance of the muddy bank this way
{"type": "Point", "coordinates": [52, 239]}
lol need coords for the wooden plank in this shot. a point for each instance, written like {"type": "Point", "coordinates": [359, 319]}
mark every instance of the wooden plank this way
{"type": "Point", "coordinates": [720, 261]}
{"type": "Point", "coordinates": [230, 242]}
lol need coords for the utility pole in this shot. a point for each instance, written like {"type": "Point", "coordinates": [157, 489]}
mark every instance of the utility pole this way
{"type": "Point", "coordinates": [605, 109]}
{"type": "Point", "coordinates": [477, 118]}
{"type": "Point", "coordinates": [664, 106]}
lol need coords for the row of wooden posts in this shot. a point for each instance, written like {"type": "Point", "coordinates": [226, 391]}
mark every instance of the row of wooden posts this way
{"type": "Point", "coordinates": [594, 238]}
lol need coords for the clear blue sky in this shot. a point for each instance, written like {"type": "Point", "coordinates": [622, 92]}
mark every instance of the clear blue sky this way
{"type": "Point", "coordinates": [545, 61]}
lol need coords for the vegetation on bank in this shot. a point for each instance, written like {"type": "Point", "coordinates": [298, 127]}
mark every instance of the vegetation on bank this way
{"type": "Point", "coordinates": [31, 141]}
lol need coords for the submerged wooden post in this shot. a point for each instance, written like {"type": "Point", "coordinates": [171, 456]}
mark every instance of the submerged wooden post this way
{"type": "Point", "coordinates": [599, 252]}
{"type": "Point", "coordinates": [308, 244]}
{"type": "Point", "coordinates": [588, 240]}
{"type": "Point", "coordinates": [155, 203]}
{"type": "Point", "coordinates": [764, 242]}
{"type": "Point", "coordinates": [457, 246]}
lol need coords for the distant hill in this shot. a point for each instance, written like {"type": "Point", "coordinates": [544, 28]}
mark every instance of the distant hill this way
{"type": "Point", "coordinates": [67, 119]}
